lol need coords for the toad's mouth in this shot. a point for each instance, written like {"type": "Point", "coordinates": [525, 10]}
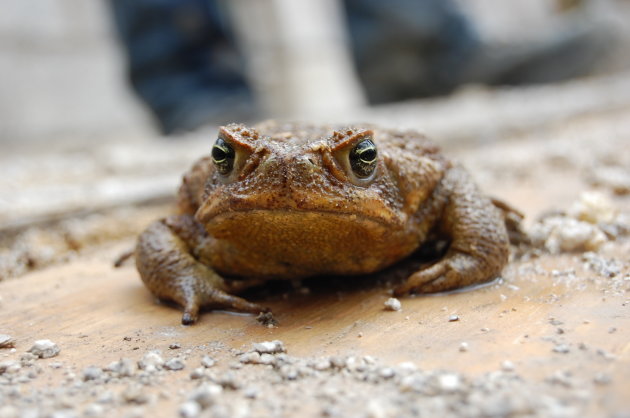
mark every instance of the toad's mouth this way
{"type": "Point", "coordinates": [294, 217]}
{"type": "Point", "coordinates": [376, 211]}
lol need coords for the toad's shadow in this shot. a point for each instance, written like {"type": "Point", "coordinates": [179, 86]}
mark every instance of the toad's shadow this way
{"type": "Point", "coordinates": [326, 286]}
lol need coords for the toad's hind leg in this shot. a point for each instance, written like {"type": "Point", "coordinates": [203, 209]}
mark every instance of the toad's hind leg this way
{"type": "Point", "coordinates": [479, 240]}
{"type": "Point", "coordinates": [170, 271]}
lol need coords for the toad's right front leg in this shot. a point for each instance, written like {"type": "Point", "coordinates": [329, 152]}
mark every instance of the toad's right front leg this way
{"type": "Point", "coordinates": [167, 265]}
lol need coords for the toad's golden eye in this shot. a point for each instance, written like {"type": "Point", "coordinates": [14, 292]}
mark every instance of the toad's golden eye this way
{"type": "Point", "coordinates": [223, 156]}
{"type": "Point", "coordinates": [363, 158]}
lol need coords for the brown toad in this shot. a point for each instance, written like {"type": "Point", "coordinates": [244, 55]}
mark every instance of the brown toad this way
{"type": "Point", "coordinates": [289, 201]}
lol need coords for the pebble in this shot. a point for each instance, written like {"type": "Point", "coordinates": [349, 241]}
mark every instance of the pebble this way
{"type": "Point", "coordinates": [174, 346]}
{"type": "Point", "coordinates": [94, 410]}
{"type": "Point", "coordinates": [9, 366]}
{"type": "Point", "coordinates": [449, 382]}
{"type": "Point", "coordinates": [189, 409]}
{"type": "Point", "coordinates": [92, 373]}
{"type": "Point", "coordinates": [6, 341]}
{"type": "Point", "coordinates": [392, 304]}
{"type": "Point", "coordinates": [44, 349]}
{"type": "Point", "coordinates": [269, 347]}
{"type": "Point", "coordinates": [206, 395]}
{"type": "Point", "coordinates": [602, 379]}
{"type": "Point", "coordinates": [463, 347]}
{"type": "Point", "coordinates": [198, 373]}
{"type": "Point", "coordinates": [135, 395]}
{"type": "Point", "coordinates": [453, 318]}
{"type": "Point", "coordinates": [507, 366]}
{"type": "Point", "coordinates": [561, 348]}
{"type": "Point", "coordinates": [175, 363]}
{"type": "Point", "coordinates": [151, 361]}
{"type": "Point", "coordinates": [207, 361]}
{"type": "Point", "coordinates": [122, 368]}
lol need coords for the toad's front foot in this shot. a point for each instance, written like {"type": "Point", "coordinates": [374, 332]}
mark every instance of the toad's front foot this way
{"type": "Point", "coordinates": [169, 270]}
{"type": "Point", "coordinates": [455, 271]}
{"type": "Point", "coordinates": [193, 301]}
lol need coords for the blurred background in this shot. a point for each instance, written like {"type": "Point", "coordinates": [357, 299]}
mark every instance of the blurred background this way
{"type": "Point", "coordinates": [104, 104]}
{"type": "Point", "coordinates": [98, 69]}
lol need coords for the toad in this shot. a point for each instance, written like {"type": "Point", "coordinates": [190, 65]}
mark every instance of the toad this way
{"type": "Point", "coordinates": [290, 201]}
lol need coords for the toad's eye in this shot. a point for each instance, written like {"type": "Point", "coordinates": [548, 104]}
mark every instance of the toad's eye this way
{"type": "Point", "coordinates": [363, 158]}
{"type": "Point", "coordinates": [223, 156]}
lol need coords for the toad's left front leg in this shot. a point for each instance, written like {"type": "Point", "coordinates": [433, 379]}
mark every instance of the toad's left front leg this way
{"type": "Point", "coordinates": [479, 246]}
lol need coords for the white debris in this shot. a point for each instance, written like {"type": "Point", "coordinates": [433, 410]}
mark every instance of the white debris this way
{"type": "Point", "coordinates": [449, 382]}
{"type": "Point", "coordinates": [122, 368]}
{"type": "Point", "coordinates": [176, 363]}
{"type": "Point", "coordinates": [393, 304]}
{"type": "Point", "coordinates": [594, 208]}
{"type": "Point", "coordinates": [563, 234]}
{"type": "Point", "coordinates": [6, 341]}
{"type": "Point", "coordinates": [269, 347]}
{"type": "Point", "coordinates": [92, 373]}
{"type": "Point", "coordinates": [44, 349]}
{"type": "Point", "coordinates": [189, 409]}
{"type": "Point", "coordinates": [151, 361]}
{"type": "Point", "coordinates": [206, 395]}
{"type": "Point", "coordinates": [207, 361]}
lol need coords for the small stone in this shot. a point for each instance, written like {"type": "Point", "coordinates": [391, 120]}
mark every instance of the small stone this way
{"type": "Point", "coordinates": [92, 373]}
{"type": "Point", "coordinates": [449, 382]}
{"type": "Point", "coordinates": [27, 359]}
{"type": "Point", "coordinates": [252, 357]}
{"type": "Point", "coordinates": [207, 362]}
{"type": "Point", "coordinates": [612, 330]}
{"type": "Point", "coordinates": [602, 379]}
{"type": "Point", "coordinates": [189, 409]}
{"type": "Point", "coordinates": [453, 318]}
{"type": "Point", "coordinates": [266, 358]}
{"type": "Point", "coordinates": [605, 354]}
{"type": "Point", "coordinates": [44, 349]}
{"type": "Point", "coordinates": [250, 393]}
{"type": "Point", "coordinates": [122, 368]}
{"type": "Point", "coordinates": [175, 363]}
{"type": "Point", "coordinates": [463, 347]}
{"type": "Point", "coordinates": [198, 373]}
{"type": "Point", "coordinates": [174, 346]}
{"type": "Point", "coordinates": [270, 347]}
{"type": "Point", "coordinates": [6, 341]}
{"type": "Point", "coordinates": [323, 364]}
{"type": "Point", "coordinates": [135, 395]}
{"type": "Point", "coordinates": [228, 381]}
{"type": "Point", "coordinates": [206, 395]}
{"type": "Point", "coordinates": [507, 366]}
{"type": "Point", "coordinates": [151, 361]}
{"type": "Point", "coordinates": [393, 304]}
{"type": "Point", "coordinates": [94, 410]}
{"type": "Point", "coordinates": [561, 348]}
{"type": "Point", "coordinates": [386, 373]}
{"type": "Point", "coordinates": [267, 319]}
{"type": "Point", "coordinates": [9, 366]}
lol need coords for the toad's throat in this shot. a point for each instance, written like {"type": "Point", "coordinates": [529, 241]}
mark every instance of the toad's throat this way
{"type": "Point", "coordinates": [293, 244]}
